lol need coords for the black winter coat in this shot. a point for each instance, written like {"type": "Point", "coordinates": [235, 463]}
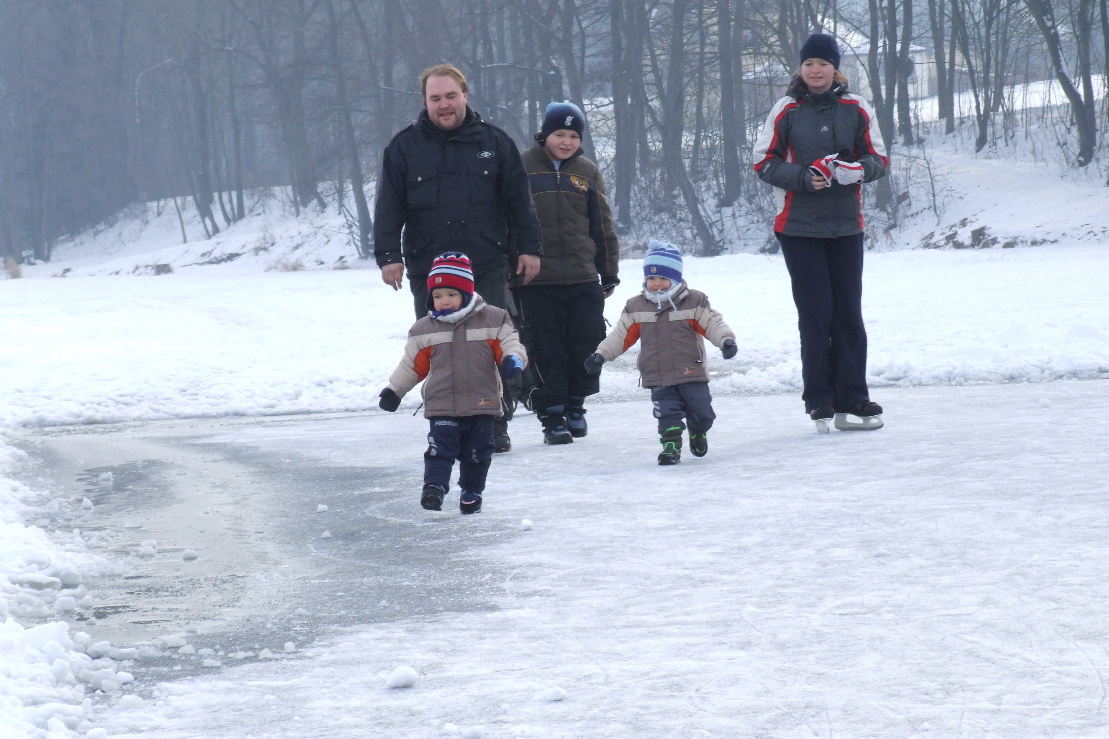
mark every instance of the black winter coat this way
{"type": "Point", "coordinates": [459, 190]}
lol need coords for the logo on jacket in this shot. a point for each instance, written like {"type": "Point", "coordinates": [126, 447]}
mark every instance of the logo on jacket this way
{"type": "Point", "coordinates": [824, 129]}
{"type": "Point", "coordinates": [579, 182]}
{"type": "Point", "coordinates": [485, 155]}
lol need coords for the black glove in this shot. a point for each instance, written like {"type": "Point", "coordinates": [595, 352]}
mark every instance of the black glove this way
{"type": "Point", "coordinates": [511, 367]}
{"type": "Point", "coordinates": [390, 401]}
{"type": "Point", "coordinates": [609, 283]}
{"type": "Point", "coordinates": [728, 348]}
{"type": "Point", "coordinates": [593, 364]}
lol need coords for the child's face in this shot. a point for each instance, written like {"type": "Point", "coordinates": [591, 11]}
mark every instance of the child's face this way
{"type": "Point", "coordinates": [658, 284]}
{"type": "Point", "coordinates": [446, 298]}
{"type": "Point", "coordinates": [563, 144]}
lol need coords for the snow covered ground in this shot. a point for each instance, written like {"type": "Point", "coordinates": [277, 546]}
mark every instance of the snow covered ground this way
{"type": "Point", "coordinates": [943, 577]}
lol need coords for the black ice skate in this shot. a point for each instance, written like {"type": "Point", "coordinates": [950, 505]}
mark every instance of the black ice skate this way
{"type": "Point", "coordinates": [864, 416]}
{"type": "Point", "coordinates": [432, 497]}
{"type": "Point", "coordinates": [822, 415]}
{"type": "Point", "coordinates": [671, 452]}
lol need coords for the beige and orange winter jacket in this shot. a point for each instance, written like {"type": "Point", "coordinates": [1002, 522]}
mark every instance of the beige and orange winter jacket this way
{"type": "Point", "coordinates": [459, 355]}
{"type": "Point", "coordinates": [673, 336]}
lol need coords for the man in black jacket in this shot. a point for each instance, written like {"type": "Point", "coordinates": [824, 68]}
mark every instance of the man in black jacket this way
{"type": "Point", "coordinates": [453, 182]}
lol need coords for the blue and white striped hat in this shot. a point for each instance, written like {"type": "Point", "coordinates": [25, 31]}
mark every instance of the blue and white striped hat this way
{"type": "Point", "coordinates": [663, 260]}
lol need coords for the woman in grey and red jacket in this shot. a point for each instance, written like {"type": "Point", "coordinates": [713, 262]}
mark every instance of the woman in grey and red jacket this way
{"type": "Point", "coordinates": [819, 144]}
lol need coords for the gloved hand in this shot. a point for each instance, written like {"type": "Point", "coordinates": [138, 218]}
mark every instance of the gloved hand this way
{"type": "Point", "coordinates": [511, 367]}
{"type": "Point", "coordinates": [728, 348]}
{"type": "Point", "coordinates": [609, 283]}
{"type": "Point", "coordinates": [389, 401]}
{"type": "Point", "coordinates": [823, 168]}
{"type": "Point", "coordinates": [847, 173]}
{"type": "Point", "coordinates": [593, 363]}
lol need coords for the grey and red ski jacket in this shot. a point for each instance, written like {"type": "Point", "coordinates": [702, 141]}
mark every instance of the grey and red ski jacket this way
{"type": "Point", "coordinates": [803, 127]}
{"type": "Point", "coordinates": [458, 355]}
{"type": "Point", "coordinates": [673, 336]}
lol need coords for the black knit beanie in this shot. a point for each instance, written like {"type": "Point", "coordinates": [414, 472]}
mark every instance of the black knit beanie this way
{"type": "Point", "coordinates": [821, 46]}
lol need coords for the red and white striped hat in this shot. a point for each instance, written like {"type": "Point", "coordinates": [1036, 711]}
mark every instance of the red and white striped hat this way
{"type": "Point", "coordinates": [451, 269]}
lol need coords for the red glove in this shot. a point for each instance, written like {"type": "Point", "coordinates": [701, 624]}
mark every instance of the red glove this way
{"type": "Point", "coordinates": [823, 168]}
{"type": "Point", "coordinates": [847, 173]}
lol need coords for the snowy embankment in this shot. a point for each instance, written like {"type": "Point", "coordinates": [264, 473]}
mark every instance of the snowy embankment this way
{"type": "Point", "coordinates": [232, 338]}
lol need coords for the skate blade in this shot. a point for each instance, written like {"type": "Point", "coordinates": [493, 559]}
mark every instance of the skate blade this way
{"type": "Point", "coordinates": [822, 426]}
{"type": "Point", "coordinates": [846, 422]}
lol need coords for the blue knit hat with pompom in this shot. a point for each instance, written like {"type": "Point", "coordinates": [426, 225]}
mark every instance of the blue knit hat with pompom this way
{"type": "Point", "coordinates": [663, 260]}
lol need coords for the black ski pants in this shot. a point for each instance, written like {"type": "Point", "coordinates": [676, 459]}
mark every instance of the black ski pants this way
{"type": "Point", "coordinates": [563, 324]}
{"type": "Point", "coordinates": [827, 280]}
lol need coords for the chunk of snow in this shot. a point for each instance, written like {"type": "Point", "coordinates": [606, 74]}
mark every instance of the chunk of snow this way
{"type": "Point", "coordinates": [325, 535]}
{"type": "Point", "coordinates": [551, 695]}
{"type": "Point", "coordinates": [69, 578]}
{"type": "Point", "coordinates": [402, 677]}
{"type": "Point", "coordinates": [130, 702]}
{"type": "Point", "coordinates": [189, 555]}
{"type": "Point", "coordinates": [187, 649]}
{"type": "Point", "coordinates": [86, 504]}
{"type": "Point", "coordinates": [526, 525]}
{"type": "Point", "coordinates": [106, 478]}
{"type": "Point", "coordinates": [290, 647]}
{"type": "Point", "coordinates": [321, 508]}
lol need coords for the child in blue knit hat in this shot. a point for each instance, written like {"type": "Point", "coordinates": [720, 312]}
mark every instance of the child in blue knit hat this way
{"type": "Point", "coordinates": [672, 321]}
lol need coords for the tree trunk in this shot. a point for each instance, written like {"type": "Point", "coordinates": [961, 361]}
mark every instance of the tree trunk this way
{"type": "Point", "coordinates": [728, 120]}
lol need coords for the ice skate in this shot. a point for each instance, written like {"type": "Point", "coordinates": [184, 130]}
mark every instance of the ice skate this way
{"type": "Point", "coordinates": [865, 416]}
{"type": "Point", "coordinates": [822, 416]}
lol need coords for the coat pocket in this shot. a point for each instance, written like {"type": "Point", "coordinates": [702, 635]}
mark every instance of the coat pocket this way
{"type": "Point", "coordinates": [482, 175]}
{"type": "Point", "coordinates": [423, 189]}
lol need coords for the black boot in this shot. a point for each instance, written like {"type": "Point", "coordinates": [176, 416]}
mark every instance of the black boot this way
{"type": "Point", "coordinates": [698, 444]}
{"type": "Point", "coordinates": [432, 497]}
{"type": "Point", "coordinates": [671, 440]}
{"type": "Point", "coordinates": [575, 418]}
{"type": "Point", "coordinates": [554, 426]}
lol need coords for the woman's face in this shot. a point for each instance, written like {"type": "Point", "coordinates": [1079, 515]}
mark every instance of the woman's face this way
{"type": "Point", "coordinates": [818, 74]}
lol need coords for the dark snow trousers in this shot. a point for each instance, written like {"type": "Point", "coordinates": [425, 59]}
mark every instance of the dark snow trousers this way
{"type": "Point", "coordinates": [469, 439]}
{"type": "Point", "coordinates": [689, 401]}
{"type": "Point", "coordinates": [562, 325]}
{"type": "Point", "coordinates": [827, 279]}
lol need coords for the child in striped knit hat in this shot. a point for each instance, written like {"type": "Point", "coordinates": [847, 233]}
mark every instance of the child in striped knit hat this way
{"type": "Point", "coordinates": [673, 321]}
{"type": "Point", "coordinates": [458, 348]}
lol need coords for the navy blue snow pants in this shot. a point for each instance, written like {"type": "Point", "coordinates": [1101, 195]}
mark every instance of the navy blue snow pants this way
{"type": "Point", "coordinates": [827, 278]}
{"type": "Point", "coordinates": [469, 439]}
{"type": "Point", "coordinates": [689, 401]}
